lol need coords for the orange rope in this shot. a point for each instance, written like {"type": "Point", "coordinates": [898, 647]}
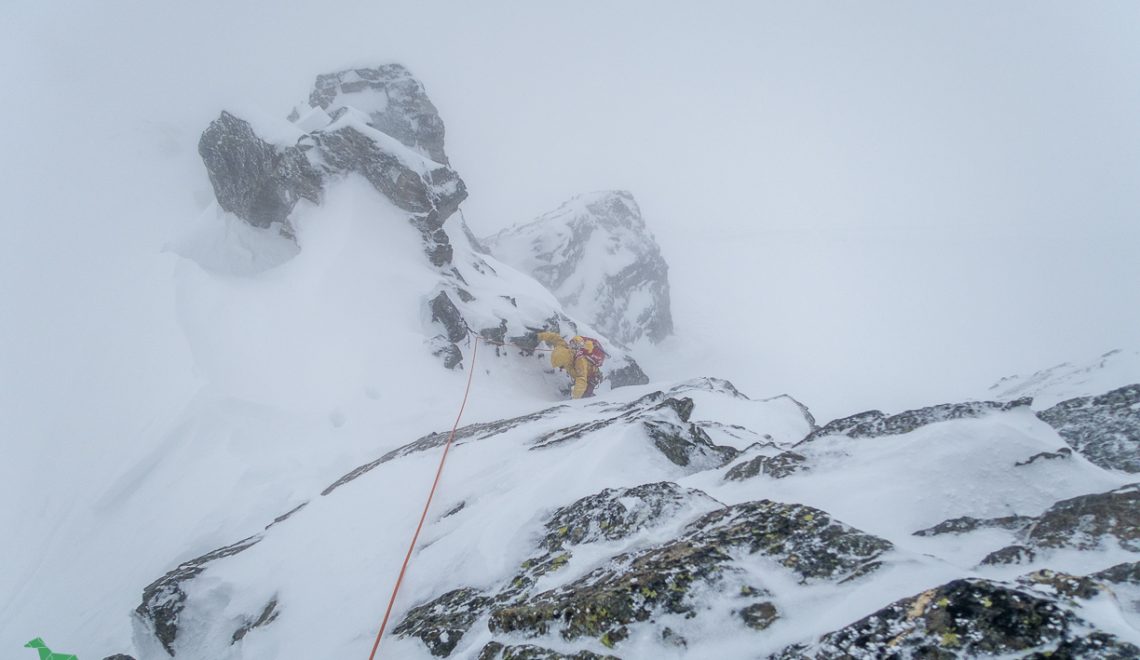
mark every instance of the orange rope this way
{"type": "Point", "coordinates": [427, 505]}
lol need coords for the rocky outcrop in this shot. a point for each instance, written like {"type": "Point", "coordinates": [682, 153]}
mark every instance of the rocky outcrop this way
{"type": "Point", "coordinates": [874, 424]}
{"type": "Point", "coordinates": [632, 587]}
{"type": "Point", "coordinates": [776, 467]}
{"type": "Point", "coordinates": [618, 513]}
{"type": "Point", "coordinates": [377, 123]}
{"type": "Point", "coordinates": [257, 181]}
{"type": "Point", "coordinates": [1062, 453]}
{"type": "Point", "coordinates": [1105, 429]}
{"type": "Point", "coordinates": [614, 514]}
{"type": "Point", "coordinates": [1126, 573]}
{"type": "Point", "coordinates": [441, 623]}
{"type": "Point", "coordinates": [665, 421]}
{"type": "Point", "coordinates": [968, 619]}
{"type": "Point", "coordinates": [968, 524]}
{"type": "Point", "coordinates": [628, 374]}
{"type": "Point", "coordinates": [1085, 523]}
{"type": "Point", "coordinates": [636, 585]}
{"type": "Point", "coordinates": [599, 259]}
{"type": "Point", "coordinates": [164, 599]}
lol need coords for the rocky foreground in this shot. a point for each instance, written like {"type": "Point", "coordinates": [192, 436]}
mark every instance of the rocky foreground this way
{"type": "Point", "coordinates": [676, 568]}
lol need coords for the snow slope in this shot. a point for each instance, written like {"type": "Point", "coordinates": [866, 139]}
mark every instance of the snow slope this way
{"type": "Point", "coordinates": [503, 483]}
{"type": "Point", "coordinates": [1068, 380]}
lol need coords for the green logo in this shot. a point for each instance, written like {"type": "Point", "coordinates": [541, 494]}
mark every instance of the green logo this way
{"type": "Point", "coordinates": [45, 652]}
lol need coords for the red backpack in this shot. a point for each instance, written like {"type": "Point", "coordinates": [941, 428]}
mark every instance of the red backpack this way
{"type": "Point", "coordinates": [589, 348]}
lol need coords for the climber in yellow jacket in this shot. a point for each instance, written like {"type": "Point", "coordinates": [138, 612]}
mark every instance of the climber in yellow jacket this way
{"type": "Point", "coordinates": [575, 359]}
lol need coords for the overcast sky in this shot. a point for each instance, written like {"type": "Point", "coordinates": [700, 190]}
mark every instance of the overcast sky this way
{"type": "Point", "coordinates": [863, 204]}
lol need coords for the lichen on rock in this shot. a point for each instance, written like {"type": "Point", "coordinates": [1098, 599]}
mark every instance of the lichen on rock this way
{"type": "Point", "coordinates": [442, 622]}
{"type": "Point", "coordinates": [777, 467]}
{"type": "Point", "coordinates": [962, 619]}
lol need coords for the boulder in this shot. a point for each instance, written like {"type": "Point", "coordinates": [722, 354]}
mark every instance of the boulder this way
{"type": "Point", "coordinates": [776, 467]}
{"type": "Point", "coordinates": [253, 179]}
{"type": "Point", "coordinates": [967, 618]}
{"type": "Point", "coordinates": [441, 623]}
{"type": "Point", "coordinates": [1105, 429]}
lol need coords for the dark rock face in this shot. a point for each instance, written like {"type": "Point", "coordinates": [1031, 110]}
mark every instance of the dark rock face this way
{"type": "Point", "coordinates": [1105, 429]}
{"type": "Point", "coordinates": [261, 182]}
{"type": "Point", "coordinates": [268, 615]}
{"type": "Point", "coordinates": [967, 524]}
{"type": "Point", "coordinates": [164, 599]}
{"type": "Point", "coordinates": [447, 352]}
{"type": "Point", "coordinates": [759, 616]}
{"type": "Point", "coordinates": [1127, 573]}
{"type": "Point", "coordinates": [444, 312]}
{"type": "Point", "coordinates": [119, 656]}
{"type": "Point", "coordinates": [253, 179]}
{"type": "Point", "coordinates": [443, 622]}
{"type": "Point", "coordinates": [1063, 452]}
{"type": "Point", "coordinates": [963, 619]}
{"type": "Point", "coordinates": [777, 467]}
{"type": "Point", "coordinates": [398, 106]}
{"type": "Point", "coordinates": [873, 424]}
{"type": "Point", "coordinates": [628, 374]}
{"type": "Point", "coordinates": [497, 651]}
{"type": "Point", "coordinates": [598, 258]}
{"type": "Point", "coordinates": [1083, 522]}
{"type": "Point", "coordinates": [1013, 554]}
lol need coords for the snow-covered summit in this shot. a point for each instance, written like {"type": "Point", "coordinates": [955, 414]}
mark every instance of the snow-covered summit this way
{"type": "Point", "coordinates": [393, 100]}
{"type": "Point", "coordinates": [600, 260]}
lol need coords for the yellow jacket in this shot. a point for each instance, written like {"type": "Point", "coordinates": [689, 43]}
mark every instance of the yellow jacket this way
{"type": "Point", "coordinates": [562, 357]}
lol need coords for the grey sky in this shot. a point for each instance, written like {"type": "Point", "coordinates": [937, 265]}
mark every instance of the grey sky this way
{"type": "Point", "coordinates": [905, 200]}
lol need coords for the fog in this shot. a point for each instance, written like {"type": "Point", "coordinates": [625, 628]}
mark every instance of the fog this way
{"type": "Point", "coordinates": [864, 205]}
{"type": "Point", "coordinates": [874, 205]}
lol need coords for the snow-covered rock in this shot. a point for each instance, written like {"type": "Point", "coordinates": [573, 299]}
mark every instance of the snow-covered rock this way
{"type": "Point", "coordinates": [972, 618]}
{"type": "Point", "coordinates": [393, 100]}
{"type": "Point", "coordinates": [377, 124]}
{"type": "Point", "coordinates": [600, 260]}
{"type": "Point", "coordinates": [575, 531]}
{"type": "Point", "coordinates": [1105, 429]}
